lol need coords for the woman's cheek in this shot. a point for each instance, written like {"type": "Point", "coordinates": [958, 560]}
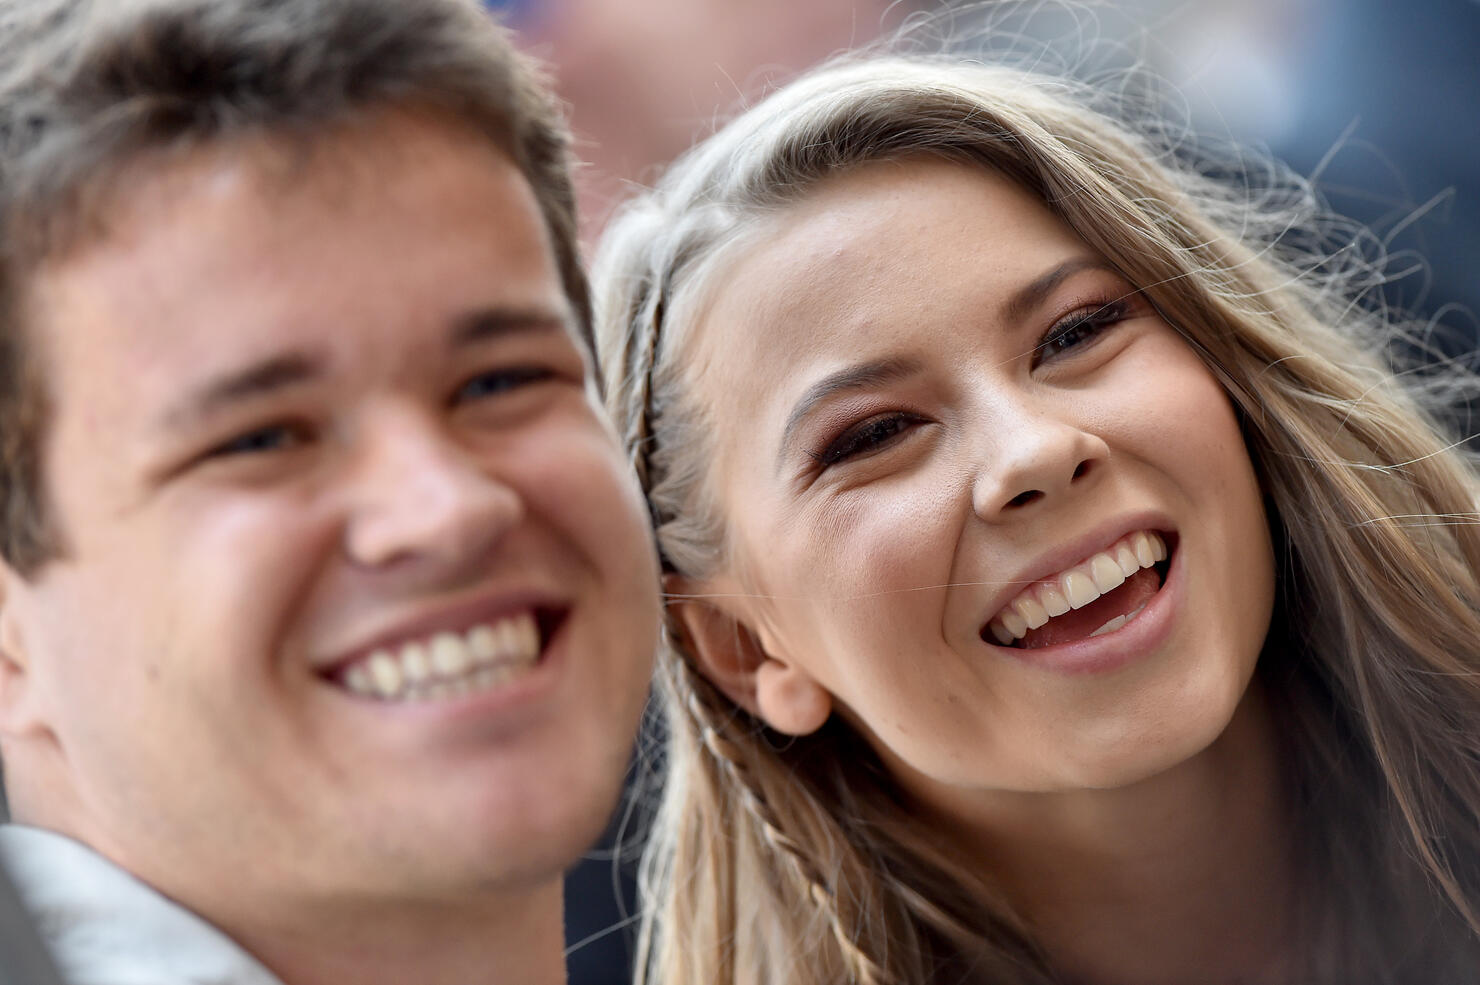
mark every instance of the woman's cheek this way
{"type": "Point", "coordinates": [891, 535]}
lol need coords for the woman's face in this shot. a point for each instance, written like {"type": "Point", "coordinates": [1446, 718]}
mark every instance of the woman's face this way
{"type": "Point", "coordinates": [940, 418]}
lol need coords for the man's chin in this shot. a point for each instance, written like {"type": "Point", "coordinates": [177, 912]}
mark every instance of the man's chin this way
{"type": "Point", "coordinates": [493, 853]}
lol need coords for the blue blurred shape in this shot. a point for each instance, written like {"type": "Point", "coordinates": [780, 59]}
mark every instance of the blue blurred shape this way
{"type": "Point", "coordinates": [513, 11]}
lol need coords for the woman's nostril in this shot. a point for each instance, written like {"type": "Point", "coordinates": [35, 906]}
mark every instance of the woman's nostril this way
{"type": "Point", "coordinates": [1080, 469]}
{"type": "Point", "coordinates": [1023, 499]}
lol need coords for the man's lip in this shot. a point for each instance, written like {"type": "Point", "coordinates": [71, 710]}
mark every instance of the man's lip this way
{"type": "Point", "coordinates": [1072, 552]}
{"type": "Point", "coordinates": [453, 617]}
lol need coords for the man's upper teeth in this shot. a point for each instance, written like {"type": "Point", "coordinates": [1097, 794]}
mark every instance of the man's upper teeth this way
{"type": "Point", "coordinates": [449, 663]}
{"type": "Point", "coordinates": [1078, 586]}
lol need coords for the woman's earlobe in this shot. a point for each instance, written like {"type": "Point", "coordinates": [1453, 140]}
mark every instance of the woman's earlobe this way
{"type": "Point", "coordinates": [731, 656]}
{"type": "Point", "coordinates": [789, 699]}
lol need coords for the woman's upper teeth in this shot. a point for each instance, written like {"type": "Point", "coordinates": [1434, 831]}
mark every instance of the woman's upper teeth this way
{"type": "Point", "coordinates": [1078, 586]}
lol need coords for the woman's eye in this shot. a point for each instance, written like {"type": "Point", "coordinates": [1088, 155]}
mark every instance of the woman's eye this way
{"type": "Point", "coordinates": [1080, 328]}
{"type": "Point", "coordinates": [865, 437]}
{"type": "Point", "coordinates": [501, 381]}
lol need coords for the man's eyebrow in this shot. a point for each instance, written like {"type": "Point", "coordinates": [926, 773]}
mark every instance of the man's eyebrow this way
{"type": "Point", "coordinates": [1029, 297]}
{"type": "Point", "coordinates": [869, 374]}
{"type": "Point", "coordinates": [485, 324]}
{"type": "Point", "coordinates": [258, 379]}
{"type": "Point", "coordinates": [289, 369]}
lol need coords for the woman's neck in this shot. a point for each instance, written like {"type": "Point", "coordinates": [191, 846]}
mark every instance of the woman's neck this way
{"type": "Point", "coordinates": [1187, 876]}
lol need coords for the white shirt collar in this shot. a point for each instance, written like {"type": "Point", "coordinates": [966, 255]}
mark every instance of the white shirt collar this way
{"type": "Point", "coordinates": [105, 927]}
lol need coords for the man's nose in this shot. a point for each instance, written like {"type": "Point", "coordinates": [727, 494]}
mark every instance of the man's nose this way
{"type": "Point", "coordinates": [1030, 456]}
{"type": "Point", "coordinates": [418, 494]}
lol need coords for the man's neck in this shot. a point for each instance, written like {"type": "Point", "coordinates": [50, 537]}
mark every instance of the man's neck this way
{"type": "Point", "coordinates": [510, 939]}
{"type": "Point", "coordinates": [514, 935]}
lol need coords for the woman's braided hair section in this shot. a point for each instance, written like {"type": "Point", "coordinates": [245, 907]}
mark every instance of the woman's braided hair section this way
{"type": "Point", "coordinates": [715, 723]}
{"type": "Point", "coordinates": [727, 736]}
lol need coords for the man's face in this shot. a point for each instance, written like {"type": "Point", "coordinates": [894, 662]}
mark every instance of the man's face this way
{"type": "Point", "coordinates": [358, 597]}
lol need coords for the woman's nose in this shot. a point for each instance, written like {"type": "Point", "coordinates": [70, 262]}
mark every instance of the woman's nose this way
{"type": "Point", "coordinates": [419, 495]}
{"type": "Point", "coordinates": [1033, 456]}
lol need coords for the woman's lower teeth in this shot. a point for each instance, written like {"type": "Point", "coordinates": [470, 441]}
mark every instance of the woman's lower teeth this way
{"type": "Point", "coordinates": [1117, 622]}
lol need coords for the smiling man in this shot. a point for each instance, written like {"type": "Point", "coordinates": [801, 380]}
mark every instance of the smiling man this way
{"type": "Point", "coordinates": [327, 603]}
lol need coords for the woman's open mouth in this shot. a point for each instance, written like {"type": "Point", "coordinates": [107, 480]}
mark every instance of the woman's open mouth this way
{"type": "Point", "coordinates": [1096, 596]}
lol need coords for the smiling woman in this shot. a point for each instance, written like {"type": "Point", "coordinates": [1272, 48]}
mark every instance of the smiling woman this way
{"type": "Point", "coordinates": [1062, 585]}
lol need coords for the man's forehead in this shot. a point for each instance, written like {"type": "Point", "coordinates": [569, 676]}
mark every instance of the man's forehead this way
{"type": "Point", "coordinates": [249, 266]}
{"type": "Point", "coordinates": [331, 164]}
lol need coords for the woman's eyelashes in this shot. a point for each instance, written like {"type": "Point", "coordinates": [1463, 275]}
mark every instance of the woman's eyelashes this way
{"type": "Point", "coordinates": [1080, 328]}
{"type": "Point", "coordinates": [867, 436]}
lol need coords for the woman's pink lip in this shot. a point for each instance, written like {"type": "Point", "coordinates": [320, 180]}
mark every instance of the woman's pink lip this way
{"type": "Point", "coordinates": [1120, 647]}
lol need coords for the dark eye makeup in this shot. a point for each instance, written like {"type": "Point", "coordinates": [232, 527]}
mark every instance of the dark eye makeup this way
{"type": "Point", "coordinates": [1080, 328]}
{"type": "Point", "coordinates": [867, 436]}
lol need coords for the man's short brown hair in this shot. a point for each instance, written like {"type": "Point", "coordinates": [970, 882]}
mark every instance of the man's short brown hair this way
{"type": "Point", "coordinates": [88, 87]}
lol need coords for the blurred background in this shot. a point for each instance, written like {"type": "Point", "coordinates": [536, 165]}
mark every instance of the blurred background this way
{"type": "Point", "coordinates": [1382, 98]}
{"type": "Point", "coordinates": [1379, 100]}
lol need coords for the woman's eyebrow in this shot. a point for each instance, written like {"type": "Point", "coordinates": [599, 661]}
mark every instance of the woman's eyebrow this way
{"type": "Point", "coordinates": [856, 377]}
{"type": "Point", "coordinates": [1029, 297]}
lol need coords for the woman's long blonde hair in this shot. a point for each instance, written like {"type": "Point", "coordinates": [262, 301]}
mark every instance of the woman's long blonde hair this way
{"type": "Point", "coordinates": [795, 861]}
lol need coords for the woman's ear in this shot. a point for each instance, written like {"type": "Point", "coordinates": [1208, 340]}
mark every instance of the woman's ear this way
{"type": "Point", "coordinates": [731, 656]}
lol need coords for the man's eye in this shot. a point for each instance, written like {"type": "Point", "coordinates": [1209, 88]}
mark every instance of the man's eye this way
{"type": "Point", "coordinates": [866, 436]}
{"type": "Point", "coordinates": [276, 437]}
{"type": "Point", "coordinates": [1079, 329]}
{"type": "Point", "coordinates": [499, 381]}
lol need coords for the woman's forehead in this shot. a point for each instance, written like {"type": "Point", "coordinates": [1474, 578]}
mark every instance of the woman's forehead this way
{"type": "Point", "coordinates": [862, 258]}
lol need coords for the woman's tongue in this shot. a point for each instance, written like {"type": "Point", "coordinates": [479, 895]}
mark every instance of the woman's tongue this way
{"type": "Point", "coordinates": [1076, 624]}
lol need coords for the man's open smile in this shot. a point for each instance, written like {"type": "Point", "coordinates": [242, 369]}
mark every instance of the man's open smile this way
{"type": "Point", "coordinates": [449, 664]}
